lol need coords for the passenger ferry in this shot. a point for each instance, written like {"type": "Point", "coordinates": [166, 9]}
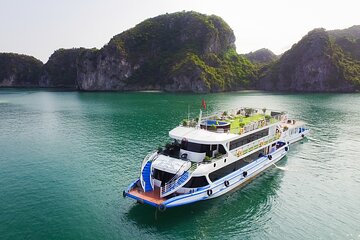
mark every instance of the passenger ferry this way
{"type": "Point", "coordinates": [211, 156]}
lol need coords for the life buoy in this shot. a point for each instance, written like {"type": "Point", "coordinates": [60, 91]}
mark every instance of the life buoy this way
{"type": "Point", "coordinates": [226, 183]}
{"type": "Point", "coordinates": [244, 173]}
{"type": "Point", "coordinates": [269, 157]}
{"type": "Point", "coordinates": [209, 192]}
{"type": "Point", "coordinates": [162, 207]}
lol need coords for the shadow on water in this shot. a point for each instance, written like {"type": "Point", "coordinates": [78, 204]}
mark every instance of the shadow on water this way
{"type": "Point", "coordinates": [245, 211]}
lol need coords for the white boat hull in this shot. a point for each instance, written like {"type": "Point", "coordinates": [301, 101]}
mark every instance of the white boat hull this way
{"type": "Point", "coordinates": [219, 187]}
{"type": "Point", "coordinates": [297, 137]}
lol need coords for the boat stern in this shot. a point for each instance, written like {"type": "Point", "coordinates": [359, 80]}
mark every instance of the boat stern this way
{"type": "Point", "coordinates": [136, 192]}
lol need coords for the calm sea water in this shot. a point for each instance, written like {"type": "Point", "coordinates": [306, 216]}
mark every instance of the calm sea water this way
{"type": "Point", "coordinates": [65, 158]}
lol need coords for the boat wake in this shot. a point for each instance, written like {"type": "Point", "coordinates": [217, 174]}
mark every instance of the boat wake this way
{"type": "Point", "coordinates": [284, 168]}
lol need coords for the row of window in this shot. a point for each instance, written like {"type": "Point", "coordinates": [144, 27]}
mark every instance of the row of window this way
{"type": "Point", "coordinates": [222, 172]}
{"type": "Point", "coordinates": [195, 147]}
{"type": "Point", "coordinates": [196, 182]}
{"type": "Point", "coordinates": [248, 139]}
{"type": "Point", "coordinates": [202, 148]}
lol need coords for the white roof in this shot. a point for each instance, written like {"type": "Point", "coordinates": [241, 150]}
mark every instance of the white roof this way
{"type": "Point", "coordinates": [202, 136]}
{"type": "Point", "coordinates": [171, 165]}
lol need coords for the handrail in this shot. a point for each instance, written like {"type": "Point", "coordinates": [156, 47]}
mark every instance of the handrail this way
{"type": "Point", "coordinates": [145, 160]}
{"type": "Point", "coordinates": [168, 185]}
{"type": "Point", "coordinates": [249, 126]}
{"type": "Point", "coordinates": [175, 177]}
{"type": "Point", "coordinates": [242, 150]}
{"type": "Point", "coordinates": [235, 110]}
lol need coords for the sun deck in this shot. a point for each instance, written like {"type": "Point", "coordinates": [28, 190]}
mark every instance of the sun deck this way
{"type": "Point", "coordinates": [293, 124]}
{"type": "Point", "coordinates": [241, 121]}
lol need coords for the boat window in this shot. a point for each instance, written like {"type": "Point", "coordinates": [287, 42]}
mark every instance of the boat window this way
{"type": "Point", "coordinates": [195, 147]}
{"type": "Point", "coordinates": [213, 147]}
{"type": "Point", "coordinates": [196, 182]}
{"type": "Point", "coordinates": [222, 172]}
{"type": "Point", "coordinates": [248, 139]}
{"type": "Point", "coordinates": [222, 149]}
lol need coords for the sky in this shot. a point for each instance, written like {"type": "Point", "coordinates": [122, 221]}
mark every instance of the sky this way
{"type": "Point", "coordinates": [39, 27]}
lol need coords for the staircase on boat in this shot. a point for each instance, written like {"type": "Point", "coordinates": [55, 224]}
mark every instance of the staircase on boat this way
{"type": "Point", "coordinates": [177, 181]}
{"type": "Point", "coordinates": [146, 181]}
{"type": "Point", "coordinates": [146, 176]}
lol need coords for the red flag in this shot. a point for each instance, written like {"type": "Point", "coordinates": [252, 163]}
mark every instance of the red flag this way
{"type": "Point", "coordinates": [203, 103]}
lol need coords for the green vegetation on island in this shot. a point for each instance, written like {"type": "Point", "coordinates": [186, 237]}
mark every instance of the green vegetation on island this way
{"type": "Point", "coordinates": [193, 52]}
{"type": "Point", "coordinates": [174, 51]}
{"type": "Point", "coordinates": [316, 63]}
{"type": "Point", "coordinates": [18, 70]}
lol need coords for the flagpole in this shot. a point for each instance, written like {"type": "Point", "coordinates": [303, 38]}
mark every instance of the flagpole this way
{"type": "Point", "coordinates": [188, 113]}
{"type": "Point", "coordinates": [203, 103]}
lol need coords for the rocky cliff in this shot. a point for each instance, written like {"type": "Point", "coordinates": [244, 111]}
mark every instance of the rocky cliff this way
{"type": "Point", "coordinates": [261, 56]}
{"type": "Point", "coordinates": [318, 62]}
{"type": "Point", "coordinates": [61, 69]}
{"type": "Point", "coordinates": [18, 70]}
{"type": "Point", "coordinates": [185, 51]}
{"type": "Point", "coordinates": [193, 52]}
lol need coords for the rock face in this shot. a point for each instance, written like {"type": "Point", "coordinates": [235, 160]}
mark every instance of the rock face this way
{"type": "Point", "coordinates": [184, 51]}
{"type": "Point", "coordinates": [18, 70]}
{"type": "Point", "coordinates": [193, 52]}
{"type": "Point", "coordinates": [262, 56]}
{"type": "Point", "coordinates": [61, 69]}
{"type": "Point", "coordinates": [316, 63]}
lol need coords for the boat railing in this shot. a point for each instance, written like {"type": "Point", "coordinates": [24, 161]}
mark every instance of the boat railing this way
{"type": "Point", "coordinates": [176, 176]}
{"type": "Point", "coordinates": [275, 117]}
{"type": "Point", "coordinates": [151, 156]}
{"type": "Point", "coordinates": [247, 148]}
{"type": "Point", "coordinates": [242, 111]}
{"type": "Point", "coordinates": [171, 184]}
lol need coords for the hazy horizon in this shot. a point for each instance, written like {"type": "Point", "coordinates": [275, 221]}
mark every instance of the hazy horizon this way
{"type": "Point", "coordinates": [40, 27]}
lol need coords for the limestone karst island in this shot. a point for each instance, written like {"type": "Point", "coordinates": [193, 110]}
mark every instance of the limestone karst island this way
{"type": "Point", "coordinates": [193, 52]}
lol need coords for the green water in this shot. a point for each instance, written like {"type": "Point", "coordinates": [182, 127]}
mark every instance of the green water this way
{"type": "Point", "coordinates": [65, 158]}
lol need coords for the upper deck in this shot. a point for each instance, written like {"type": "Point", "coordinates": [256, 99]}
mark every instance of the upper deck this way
{"type": "Point", "coordinates": [227, 125]}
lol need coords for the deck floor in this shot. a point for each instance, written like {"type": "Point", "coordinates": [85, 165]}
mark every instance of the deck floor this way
{"type": "Point", "coordinates": [153, 196]}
